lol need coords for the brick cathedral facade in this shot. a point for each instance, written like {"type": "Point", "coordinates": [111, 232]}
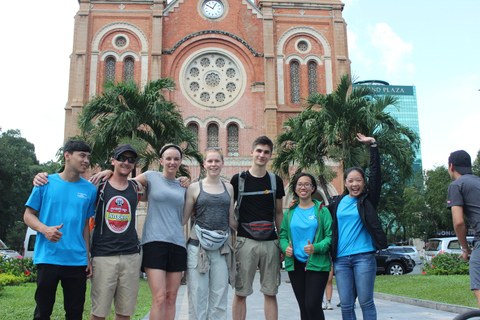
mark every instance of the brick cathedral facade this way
{"type": "Point", "coordinates": [241, 67]}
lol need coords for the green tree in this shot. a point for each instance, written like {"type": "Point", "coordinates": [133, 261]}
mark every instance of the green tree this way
{"type": "Point", "coordinates": [124, 112]}
{"type": "Point", "coordinates": [476, 165]}
{"type": "Point", "coordinates": [326, 130]}
{"type": "Point", "coordinates": [16, 159]}
{"type": "Point", "coordinates": [436, 189]}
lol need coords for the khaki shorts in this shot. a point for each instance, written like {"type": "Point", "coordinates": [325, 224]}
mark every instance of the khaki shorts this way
{"type": "Point", "coordinates": [115, 278]}
{"type": "Point", "coordinates": [252, 254]}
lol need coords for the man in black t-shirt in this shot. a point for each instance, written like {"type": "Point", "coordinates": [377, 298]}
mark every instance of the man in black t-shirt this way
{"type": "Point", "coordinates": [253, 251]}
{"type": "Point", "coordinates": [115, 248]}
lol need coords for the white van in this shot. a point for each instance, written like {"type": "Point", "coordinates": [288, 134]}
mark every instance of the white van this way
{"type": "Point", "coordinates": [29, 243]}
{"type": "Point", "coordinates": [436, 246]}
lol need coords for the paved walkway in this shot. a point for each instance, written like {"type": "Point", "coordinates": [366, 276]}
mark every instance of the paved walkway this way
{"type": "Point", "coordinates": [388, 307]}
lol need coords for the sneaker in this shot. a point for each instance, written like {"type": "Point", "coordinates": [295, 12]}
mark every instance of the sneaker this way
{"type": "Point", "coordinates": [324, 305]}
{"type": "Point", "coordinates": [329, 306]}
{"type": "Point", "coordinates": [339, 304]}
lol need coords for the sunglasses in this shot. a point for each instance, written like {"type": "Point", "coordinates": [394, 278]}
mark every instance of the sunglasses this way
{"type": "Point", "coordinates": [214, 148]}
{"type": "Point", "coordinates": [122, 158]}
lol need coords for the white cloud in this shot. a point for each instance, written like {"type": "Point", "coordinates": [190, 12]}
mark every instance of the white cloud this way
{"type": "Point", "coordinates": [394, 52]}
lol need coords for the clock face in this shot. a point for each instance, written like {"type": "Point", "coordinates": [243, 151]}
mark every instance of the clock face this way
{"type": "Point", "coordinates": [213, 8]}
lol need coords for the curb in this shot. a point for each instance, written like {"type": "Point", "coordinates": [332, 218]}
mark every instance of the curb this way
{"type": "Point", "coordinates": [453, 308]}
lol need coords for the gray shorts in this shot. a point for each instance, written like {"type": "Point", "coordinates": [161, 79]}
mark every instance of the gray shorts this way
{"type": "Point", "coordinates": [252, 254]}
{"type": "Point", "coordinates": [475, 267]}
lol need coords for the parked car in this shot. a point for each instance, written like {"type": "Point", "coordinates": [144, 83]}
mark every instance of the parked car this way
{"type": "Point", "coordinates": [411, 251]}
{"type": "Point", "coordinates": [6, 252]}
{"type": "Point", "coordinates": [393, 263]}
{"type": "Point", "coordinates": [437, 246]}
{"type": "Point", "coordinates": [29, 243]}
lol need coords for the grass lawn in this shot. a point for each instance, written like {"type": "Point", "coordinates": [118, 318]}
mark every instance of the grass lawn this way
{"type": "Point", "coordinates": [17, 302]}
{"type": "Point", "coordinates": [453, 289]}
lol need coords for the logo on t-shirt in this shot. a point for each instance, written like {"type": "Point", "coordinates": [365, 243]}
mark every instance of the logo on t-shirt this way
{"type": "Point", "coordinates": [118, 214]}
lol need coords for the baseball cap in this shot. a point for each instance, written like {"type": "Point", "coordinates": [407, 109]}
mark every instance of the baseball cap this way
{"type": "Point", "coordinates": [124, 148]}
{"type": "Point", "coordinates": [461, 161]}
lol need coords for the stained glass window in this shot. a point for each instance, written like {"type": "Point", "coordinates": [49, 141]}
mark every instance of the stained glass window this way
{"type": "Point", "coordinates": [295, 81]}
{"type": "Point", "coordinates": [312, 78]}
{"type": "Point", "coordinates": [110, 69]}
{"type": "Point", "coordinates": [212, 135]}
{"type": "Point", "coordinates": [129, 65]}
{"type": "Point", "coordinates": [232, 140]}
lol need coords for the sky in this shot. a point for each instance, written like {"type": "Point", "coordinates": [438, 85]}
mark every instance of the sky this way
{"type": "Point", "coordinates": [433, 45]}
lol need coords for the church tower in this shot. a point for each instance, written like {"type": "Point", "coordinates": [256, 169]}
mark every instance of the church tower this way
{"type": "Point", "coordinates": [241, 67]}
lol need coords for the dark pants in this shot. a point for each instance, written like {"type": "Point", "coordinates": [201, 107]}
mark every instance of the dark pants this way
{"type": "Point", "coordinates": [308, 287]}
{"type": "Point", "coordinates": [74, 284]}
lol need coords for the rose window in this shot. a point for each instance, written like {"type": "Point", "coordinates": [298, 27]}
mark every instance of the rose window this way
{"type": "Point", "coordinates": [205, 62]}
{"type": "Point", "coordinates": [220, 62]}
{"type": "Point", "coordinates": [194, 86]}
{"type": "Point", "coordinates": [213, 80]}
{"type": "Point", "coordinates": [231, 87]}
{"type": "Point", "coordinates": [231, 73]}
{"type": "Point", "coordinates": [194, 72]}
{"type": "Point", "coordinates": [220, 97]}
{"type": "Point", "coordinates": [205, 96]}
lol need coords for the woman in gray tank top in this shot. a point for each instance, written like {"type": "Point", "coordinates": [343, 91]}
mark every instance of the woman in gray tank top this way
{"type": "Point", "coordinates": [209, 247]}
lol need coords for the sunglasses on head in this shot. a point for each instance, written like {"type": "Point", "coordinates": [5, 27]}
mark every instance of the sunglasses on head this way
{"type": "Point", "coordinates": [122, 158]}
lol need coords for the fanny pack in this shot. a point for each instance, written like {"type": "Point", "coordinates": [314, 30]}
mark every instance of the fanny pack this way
{"type": "Point", "coordinates": [259, 230]}
{"type": "Point", "coordinates": [210, 240]}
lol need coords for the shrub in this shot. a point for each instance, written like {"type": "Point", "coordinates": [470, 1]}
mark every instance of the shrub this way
{"type": "Point", "coordinates": [10, 280]}
{"type": "Point", "coordinates": [446, 264]}
{"type": "Point", "coordinates": [23, 269]}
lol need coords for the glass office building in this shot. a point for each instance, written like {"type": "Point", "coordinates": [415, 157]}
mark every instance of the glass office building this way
{"type": "Point", "coordinates": [407, 111]}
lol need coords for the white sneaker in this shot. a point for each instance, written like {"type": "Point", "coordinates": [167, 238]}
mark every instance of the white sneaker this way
{"type": "Point", "coordinates": [329, 306]}
{"type": "Point", "coordinates": [324, 305]}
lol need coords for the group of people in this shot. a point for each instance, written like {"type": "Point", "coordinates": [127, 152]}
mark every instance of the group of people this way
{"type": "Point", "coordinates": [311, 236]}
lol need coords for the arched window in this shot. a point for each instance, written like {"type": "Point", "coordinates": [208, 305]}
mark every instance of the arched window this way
{"type": "Point", "coordinates": [110, 68]}
{"type": "Point", "coordinates": [194, 128]}
{"type": "Point", "coordinates": [212, 135]}
{"type": "Point", "coordinates": [232, 140]}
{"type": "Point", "coordinates": [128, 69]}
{"type": "Point", "coordinates": [295, 81]}
{"type": "Point", "coordinates": [312, 77]}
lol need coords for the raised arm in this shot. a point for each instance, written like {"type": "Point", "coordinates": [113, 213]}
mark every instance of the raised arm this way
{"type": "Point", "coordinates": [375, 173]}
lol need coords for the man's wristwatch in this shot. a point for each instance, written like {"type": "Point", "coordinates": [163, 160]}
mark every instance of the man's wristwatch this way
{"type": "Point", "coordinates": [466, 250]}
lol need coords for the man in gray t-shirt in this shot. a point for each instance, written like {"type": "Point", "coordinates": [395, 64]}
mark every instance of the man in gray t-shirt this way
{"type": "Point", "coordinates": [464, 199]}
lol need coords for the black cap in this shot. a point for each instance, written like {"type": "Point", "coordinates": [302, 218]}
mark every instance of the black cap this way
{"type": "Point", "coordinates": [124, 148]}
{"type": "Point", "coordinates": [461, 161]}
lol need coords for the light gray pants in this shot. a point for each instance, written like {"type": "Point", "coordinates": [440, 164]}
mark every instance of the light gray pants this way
{"type": "Point", "coordinates": [207, 292]}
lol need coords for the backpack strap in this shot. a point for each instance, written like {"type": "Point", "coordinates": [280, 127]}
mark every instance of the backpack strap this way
{"type": "Point", "coordinates": [241, 192]}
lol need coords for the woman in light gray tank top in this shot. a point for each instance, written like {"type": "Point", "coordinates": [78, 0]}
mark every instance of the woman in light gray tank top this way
{"type": "Point", "coordinates": [208, 247]}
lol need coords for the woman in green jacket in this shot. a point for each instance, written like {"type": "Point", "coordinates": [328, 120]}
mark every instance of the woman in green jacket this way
{"type": "Point", "coordinates": [305, 238]}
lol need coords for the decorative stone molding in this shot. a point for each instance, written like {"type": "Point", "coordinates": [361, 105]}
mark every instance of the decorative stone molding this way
{"type": "Point", "coordinates": [203, 123]}
{"type": "Point", "coordinates": [95, 51]}
{"type": "Point", "coordinates": [281, 57]}
{"type": "Point", "coordinates": [224, 33]}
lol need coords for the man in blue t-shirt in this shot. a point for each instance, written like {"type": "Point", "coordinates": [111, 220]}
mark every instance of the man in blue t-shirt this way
{"type": "Point", "coordinates": [59, 212]}
{"type": "Point", "coordinates": [464, 199]}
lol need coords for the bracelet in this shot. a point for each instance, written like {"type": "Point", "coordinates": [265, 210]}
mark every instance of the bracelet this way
{"type": "Point", "coordinates": [374, 143]}
{"type": "Point", "coordinates": [466, 250]}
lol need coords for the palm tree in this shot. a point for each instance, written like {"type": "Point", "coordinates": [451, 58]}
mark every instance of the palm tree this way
{"type": "Point", "coordinates": [326, 130]}
{"type": "Point", "coordinates": [124, 112]}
